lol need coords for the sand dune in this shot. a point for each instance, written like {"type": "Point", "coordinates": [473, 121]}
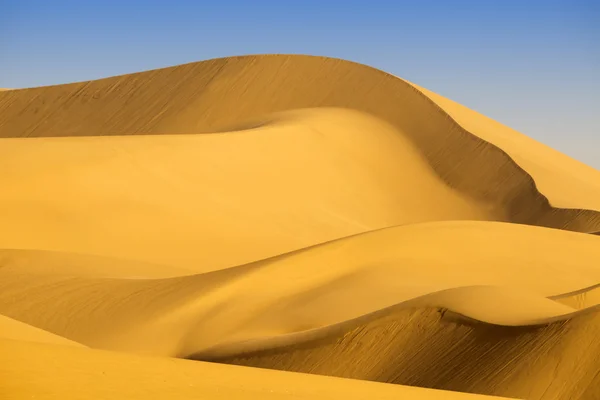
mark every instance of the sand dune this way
{"type": "Point", "coordinates": [73, 264]}
{"type": "Point", "coordinates": [95, 374]}
{"type": "Point", "coordinates": [428, 349]}
{"type": "Point", "coordinates": [16, 330]}
{"type": "Point", "coordinates": [337, 175]}
{"type": "Point", "coordinates": [95, 194]}
{"type": "Point", "coordinates": [564, 181]}
{"type": "Point", "coordinates": [224, 93]}
{"type": "Point", "coordinates": [297, 213]}
{"type": "Point", "coordinates": [315, 288]}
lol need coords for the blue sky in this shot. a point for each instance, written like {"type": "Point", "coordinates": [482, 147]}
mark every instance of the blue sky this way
{"type": "Point", "coordinates": [533, 65]}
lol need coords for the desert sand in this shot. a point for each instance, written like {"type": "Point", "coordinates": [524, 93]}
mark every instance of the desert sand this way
{"type": "Point", "coordinates": [167, 232]}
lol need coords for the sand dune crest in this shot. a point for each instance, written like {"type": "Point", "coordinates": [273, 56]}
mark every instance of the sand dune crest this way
{"type": "Point", "coordinates": [298, 213]}
{"type": "Point", "coordinates": [15, 330]}
{"type": "Point", "coordinates": [294, 293]}
{"type": "Point", "coordinates": [274, 83]}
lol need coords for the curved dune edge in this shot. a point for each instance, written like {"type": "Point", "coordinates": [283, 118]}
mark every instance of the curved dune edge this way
{"type": "Point", "coordinates": [480, 307]}
{"type": "Point", "coordinates": [157, 187]}
{"type": "Point", "coordinates": [87, 373]}
{"type": "Point", "coordinates": [428, 348]}
{"type": "Point", "coordinates": [572, 213]}
{"type": "Point", "coordinates": [495, 306]}
{"type": "Point", "coordinates": [16, 330]}
{"type": "Point", "coordinates": [295, 293]}
{"type": "Point", "coordinates": [338, 173]}
{"type": "Point", "coordinates": [466, 162]}
{"type": "Point", "coordinates": [564, 180]}
{"type": "Point", "coordinates": [580, 299]}
{"type": "Point", "coordinates": [529, 311]}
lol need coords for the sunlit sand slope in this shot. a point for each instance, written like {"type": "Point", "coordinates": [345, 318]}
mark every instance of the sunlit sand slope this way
{"type": "Point", "coordinates": [497, 309]}
{"type": "Point", "coordinates": [226, 93]}
{"type": "Point", "coordinates": [493, 272]}
{"type": "Point", "coordinates": [297, 213]}
{"type": "Point", "coordinates": [74, 264]}
{"type": "Point", "coordinates": [16, 330]}
{"type": "Point", "coordinates": [212, 201]}
{"type": "Point", "coordinates": [306, 177]}
{"type": "Point", "coordinates": [51, 372]}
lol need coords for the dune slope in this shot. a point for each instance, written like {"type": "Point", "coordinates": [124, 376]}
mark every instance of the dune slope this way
{"type": "Point", "coordinates": [509, 312]}
{"type": "Point", "coordinates": [427, 348]}
{"type": "Point", "coordinates": [309, 177]}
{"type": "Point", "coordinates": [298, 213]}
{"type": "Point", "coordinates": [16, 330]}
{"type": "Point", "coordinates": [564, 180]}
{"type": "Point", "coordinates": [510, 269]}
{"type": "Point", "coordinates": [95, 374]}
{"type": "Point", "coordinates": [223, 93]}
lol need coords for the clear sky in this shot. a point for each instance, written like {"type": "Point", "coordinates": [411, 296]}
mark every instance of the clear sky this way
{"type": "Point", "coordinates": [531, 64]}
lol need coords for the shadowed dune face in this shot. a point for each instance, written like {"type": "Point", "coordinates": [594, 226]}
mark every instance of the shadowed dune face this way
{"type": "Point", "coordinates": [565, 181]}
{"type": "Point", "coordinates": [426, 348]}
{"type": "Point", "coordinates": [307, 177]}
{"type": "Point", "coordinates": [286, 298]}
{"type": "Point", "coordinates": [96, 374]}
{"type": "Point", "coordinates": [213, 95]}
{"type": "Point", "coordinates": [297, 213]}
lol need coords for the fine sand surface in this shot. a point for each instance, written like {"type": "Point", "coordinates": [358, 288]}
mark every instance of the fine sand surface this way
{"type": "Point", "coordinates": [291, 213]}
{"type": "Point", "coordinates": [95, 374]}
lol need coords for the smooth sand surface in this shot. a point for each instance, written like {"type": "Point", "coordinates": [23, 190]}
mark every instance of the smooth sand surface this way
{"type": "Point", "coordinates": [510, 269]}
{"type": "Point", "coordinates": [95, 374]}
{"type": "Point", "coordinates": [297, 213]}
{"type": "Point", "coordinates": [313, 176]}
{"type": "Point", "coordinates": [16, 330]}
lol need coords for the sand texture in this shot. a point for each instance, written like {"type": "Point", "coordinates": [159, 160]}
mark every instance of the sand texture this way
{"type": "Point", "coordinates": [165, 232]}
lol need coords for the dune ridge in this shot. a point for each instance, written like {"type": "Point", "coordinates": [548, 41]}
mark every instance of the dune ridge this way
{"type": "Point", "coordinates": [294, 213]}
{"type": "Point", "coordinates": [243, 303]}
{"type": "Point", "coordinates": [462, 159]}
{"type": "Point", "coordinates": [336, 168]}
{"type": "Point", "coordinates": [546, 165]}
{"type": "Point", "coordinates": [429, 348]}
{"type": "Point", "coordinates": [16, 330]}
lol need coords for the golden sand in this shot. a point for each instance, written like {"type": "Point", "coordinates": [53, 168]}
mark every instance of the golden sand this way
{"type": "Point", "coordinates": [292, 213]}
